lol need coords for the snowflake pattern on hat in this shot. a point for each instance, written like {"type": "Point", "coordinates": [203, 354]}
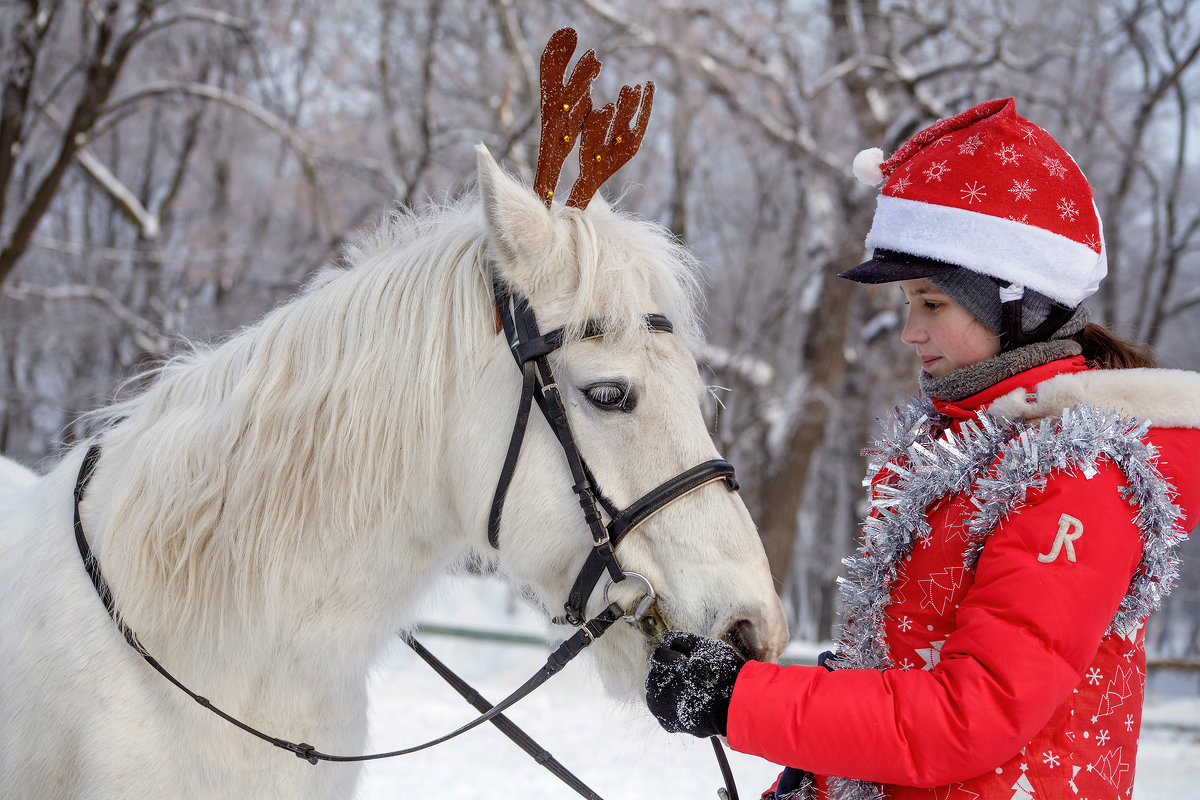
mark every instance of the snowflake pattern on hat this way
{"type": "Point", "coordinates": [997, 149]}
{"type": "Point", "coordinates": [991, 191]}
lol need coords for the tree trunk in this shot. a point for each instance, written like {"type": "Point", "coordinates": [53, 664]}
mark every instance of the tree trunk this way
{"type": "Point", "coordinates": [825, 355]}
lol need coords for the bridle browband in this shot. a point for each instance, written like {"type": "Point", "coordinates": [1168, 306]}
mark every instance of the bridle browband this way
{"type": "Point", "coordinates": [531, 350]}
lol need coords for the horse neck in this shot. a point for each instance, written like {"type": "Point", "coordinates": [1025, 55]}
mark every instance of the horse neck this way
{"type": "Point", "coordinates": [283, 490]}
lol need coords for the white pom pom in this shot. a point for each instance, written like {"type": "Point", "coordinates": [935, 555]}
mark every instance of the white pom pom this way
{"type": "Point", "coordinates": [866, 166]}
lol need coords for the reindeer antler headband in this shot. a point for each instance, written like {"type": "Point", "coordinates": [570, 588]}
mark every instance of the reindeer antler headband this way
{"type": "Point", "coordinates": [609, 136]}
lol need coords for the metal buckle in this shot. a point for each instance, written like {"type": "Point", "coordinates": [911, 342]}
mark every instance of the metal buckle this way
{"type": "Point", "coordinates": [643, 606]}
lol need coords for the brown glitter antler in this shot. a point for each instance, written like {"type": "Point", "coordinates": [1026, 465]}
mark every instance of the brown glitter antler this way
{"type": "Point", "coordinates": [565, 106]}
{"type": "Point", "coordinates": [608, 141]}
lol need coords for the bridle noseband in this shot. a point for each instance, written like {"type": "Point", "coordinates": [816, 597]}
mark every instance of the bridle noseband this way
{"type": "Point", "coordinates": [531, 350]}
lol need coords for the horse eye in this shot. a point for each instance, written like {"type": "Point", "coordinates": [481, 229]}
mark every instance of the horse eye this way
{"type": "Point", "coordinates": [611, 396]}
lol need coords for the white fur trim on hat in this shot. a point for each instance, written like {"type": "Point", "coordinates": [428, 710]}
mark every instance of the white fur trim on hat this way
{"type": "Point", "coordinates": [1058, 267]}
{"type": "Point", "coordinates": [866, 166]}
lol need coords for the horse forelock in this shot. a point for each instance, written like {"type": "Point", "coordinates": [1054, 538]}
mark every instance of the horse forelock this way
{"type": "Point", "coordinates": [300, 439]}
{"type": "Point", "coordinates": [623, 268]}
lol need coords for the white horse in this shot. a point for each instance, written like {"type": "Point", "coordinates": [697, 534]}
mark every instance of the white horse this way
{"type": "Point", "coordinates": [14, 475]}
{"type": "Point", "coordinates": [269, 509]}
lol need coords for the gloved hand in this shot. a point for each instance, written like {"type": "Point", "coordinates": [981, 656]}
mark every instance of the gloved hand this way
{"type": "Point", "coordinates": [691, 682]}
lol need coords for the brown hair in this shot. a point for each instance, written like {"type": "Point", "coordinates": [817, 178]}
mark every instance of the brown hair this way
{"type": "Point", "coordinates": [1103, 349]}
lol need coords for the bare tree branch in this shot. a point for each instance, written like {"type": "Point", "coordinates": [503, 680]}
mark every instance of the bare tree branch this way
{"type": "Point", "coordinates": [29, 33]}
{"type": "Point", "coordinates": [104, 63]}
{"type": "Point", "coordinates": [147, 223]}
{"type": "Point", "coordinates": [209, 16]}
{"type": "Point", "coordinates": [150, 337]}
{"type": "Point", "coordinates": [727, 87]}
{"type": "Point", "coordinates": [298, 144]}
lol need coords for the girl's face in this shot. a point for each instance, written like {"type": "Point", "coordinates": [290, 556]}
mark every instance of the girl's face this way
{"type": "Point", "coordinates": [946, 336]}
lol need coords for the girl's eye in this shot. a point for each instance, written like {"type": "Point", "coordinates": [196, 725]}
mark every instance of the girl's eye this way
{"type": "Point", "coordinates": [932, 306]}
{"type": "Point", "coordinates": [611, 396]}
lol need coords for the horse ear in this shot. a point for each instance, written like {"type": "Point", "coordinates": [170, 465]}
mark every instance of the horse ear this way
{"type": "Point", "coordinates": [520, 230]}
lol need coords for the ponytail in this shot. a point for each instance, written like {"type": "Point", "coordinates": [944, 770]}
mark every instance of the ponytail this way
{"type": "Point", "coordinates": [1103, 349]}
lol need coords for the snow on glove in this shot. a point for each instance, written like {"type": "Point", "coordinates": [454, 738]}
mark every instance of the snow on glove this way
{"type": "Point", "coordinates": [691, 682]}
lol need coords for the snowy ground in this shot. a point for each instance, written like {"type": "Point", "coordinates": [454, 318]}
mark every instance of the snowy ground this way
{"type": "Point", "coordinates": [619, 751]}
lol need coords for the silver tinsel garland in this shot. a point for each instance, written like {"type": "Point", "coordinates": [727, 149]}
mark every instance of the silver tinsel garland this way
{"type": "Point", "coordinates": [997, 463]}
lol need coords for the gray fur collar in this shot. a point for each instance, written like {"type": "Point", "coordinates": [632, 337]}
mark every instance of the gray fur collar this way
{"type": "Point", "coordinates": [1168, 398]}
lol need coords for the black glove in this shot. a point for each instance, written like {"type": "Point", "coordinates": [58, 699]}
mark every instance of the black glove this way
{"type": "Point", "coordinates": [690, 683]}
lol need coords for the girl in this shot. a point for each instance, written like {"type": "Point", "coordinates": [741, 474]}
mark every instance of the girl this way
{"type": "Point", "coordinates": [1024, 511]}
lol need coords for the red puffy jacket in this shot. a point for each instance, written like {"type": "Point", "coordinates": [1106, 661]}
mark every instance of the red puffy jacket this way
{"type": "Point", "coordinates": [1004, 678]}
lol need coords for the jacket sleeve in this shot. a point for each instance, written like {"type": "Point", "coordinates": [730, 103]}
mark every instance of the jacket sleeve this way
{"type": "Point", "coordinates": [1024, 634]}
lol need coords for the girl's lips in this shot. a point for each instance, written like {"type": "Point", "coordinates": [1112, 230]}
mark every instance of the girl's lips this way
{"type": "Point", "coordinates": [927, 360]}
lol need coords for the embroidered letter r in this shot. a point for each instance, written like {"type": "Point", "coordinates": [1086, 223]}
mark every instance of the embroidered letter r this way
{"type": "Point", "coordinates": [1064, 538]}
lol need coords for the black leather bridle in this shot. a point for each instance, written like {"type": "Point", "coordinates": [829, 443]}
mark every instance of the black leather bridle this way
{"type": "Point", "coordinates": [531, 350]}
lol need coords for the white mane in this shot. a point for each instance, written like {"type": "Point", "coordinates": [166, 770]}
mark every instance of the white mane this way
{"type": "Point", "coordinates": [290, 429]}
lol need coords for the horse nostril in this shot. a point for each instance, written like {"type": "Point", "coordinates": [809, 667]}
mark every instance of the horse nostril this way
{"type": "Point", "coordinates": [742, 636]}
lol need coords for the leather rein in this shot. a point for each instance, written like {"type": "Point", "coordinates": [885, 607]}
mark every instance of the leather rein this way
{"type": "Point", "coordinates": [531, 350]}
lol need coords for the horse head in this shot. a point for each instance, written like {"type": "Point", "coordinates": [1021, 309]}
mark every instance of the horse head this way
{"type": "Point", "coordinates": [633, 399]}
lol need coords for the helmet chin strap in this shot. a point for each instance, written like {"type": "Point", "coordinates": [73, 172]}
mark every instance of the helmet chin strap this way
{"type": "Point", "coordinates": [1012, 332]}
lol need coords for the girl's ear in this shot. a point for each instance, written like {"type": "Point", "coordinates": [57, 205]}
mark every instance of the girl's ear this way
{"type": "Point", "coordinates": [521, 232]}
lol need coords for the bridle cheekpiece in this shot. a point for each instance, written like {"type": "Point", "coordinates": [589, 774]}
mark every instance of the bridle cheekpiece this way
{"type": "Point", "coordinates": [531, 350]}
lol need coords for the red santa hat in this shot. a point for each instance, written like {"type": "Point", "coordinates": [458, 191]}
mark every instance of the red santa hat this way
{"type": "Point", "coordinates": [990, 191]}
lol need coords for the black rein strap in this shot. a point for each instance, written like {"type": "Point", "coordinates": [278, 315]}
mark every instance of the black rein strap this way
{"type": "Point", "coordinates": [503, 723]}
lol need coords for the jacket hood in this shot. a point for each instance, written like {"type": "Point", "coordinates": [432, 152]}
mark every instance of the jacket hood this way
{"type": "Point", "coordinates": [1168, 398]}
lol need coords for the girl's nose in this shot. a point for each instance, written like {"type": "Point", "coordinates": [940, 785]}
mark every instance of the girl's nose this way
{"type": "Point", "coordinates": [912, 333]}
